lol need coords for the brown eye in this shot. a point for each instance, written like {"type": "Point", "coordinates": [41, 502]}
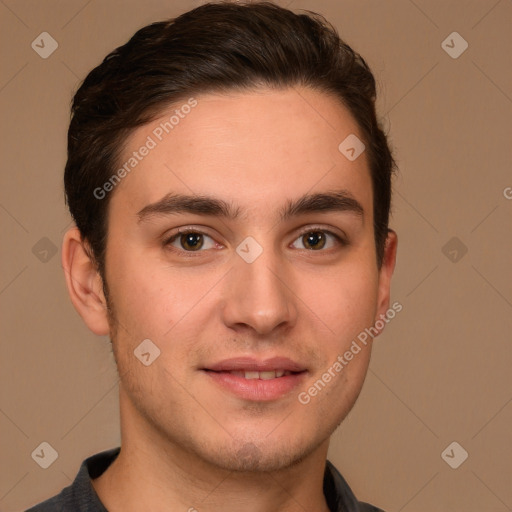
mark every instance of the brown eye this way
{"type": "Point", "coordinates": [191, 241]}
{"type": "Point", "coordinates": [314, 240]}
{"type": "Point", "coordinates": [319, 240]}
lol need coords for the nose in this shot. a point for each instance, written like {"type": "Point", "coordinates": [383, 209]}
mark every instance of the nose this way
{"type": "Point", "coordinates": [259, 295]}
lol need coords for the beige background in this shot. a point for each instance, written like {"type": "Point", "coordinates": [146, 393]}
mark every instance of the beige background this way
{"type": "Point", "coordinates": [439, 373]}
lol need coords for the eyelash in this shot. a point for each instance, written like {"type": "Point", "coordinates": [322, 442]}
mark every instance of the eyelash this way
{"type": "Point", "coordinates": [168, 241]}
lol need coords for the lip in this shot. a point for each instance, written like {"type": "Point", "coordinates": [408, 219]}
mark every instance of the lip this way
{"type": "Point", "coordinates": [252, 364]}
{"type": "Point", "coordinates": [256, 389]}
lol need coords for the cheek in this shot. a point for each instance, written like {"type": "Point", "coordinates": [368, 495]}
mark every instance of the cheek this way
{"type": "Point", "coordinates": [343, 300]}
{"type": "Point", "coordinates": [148, 296]}
{"type": "Point", "coordinates": [347, 308]}
{"type": "Point", "coordinates": [161, 302]}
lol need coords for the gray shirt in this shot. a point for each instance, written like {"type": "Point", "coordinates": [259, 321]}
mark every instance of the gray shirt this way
{"type": "Point", "coordinates": [80, 496]}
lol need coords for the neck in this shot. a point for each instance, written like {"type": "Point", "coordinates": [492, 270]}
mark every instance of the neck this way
{"type": "Point", "coordinates": [153, 473]}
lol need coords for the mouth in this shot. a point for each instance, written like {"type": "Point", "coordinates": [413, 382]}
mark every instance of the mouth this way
{"type": "Point", "coordinates": [254, 380]}
{"type": "Point", "coordinates": [250, 364]}
{"type": "Point", "coordinates": [251, 374]}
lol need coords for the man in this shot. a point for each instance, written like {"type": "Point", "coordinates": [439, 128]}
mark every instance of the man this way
{"type": "Point", "coordinates": [231, 191]}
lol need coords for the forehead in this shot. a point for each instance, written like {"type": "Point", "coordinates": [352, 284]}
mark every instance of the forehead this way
{"type": "Point", "coordinates": [253, 147]}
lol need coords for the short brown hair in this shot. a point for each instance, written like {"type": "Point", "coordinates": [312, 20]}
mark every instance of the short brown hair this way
{"type": "Point", "coordinates": [216, 47]}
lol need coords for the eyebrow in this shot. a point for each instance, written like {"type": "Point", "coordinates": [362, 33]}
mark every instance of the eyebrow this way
{"type": "Point", "coordinates": [172, 204]}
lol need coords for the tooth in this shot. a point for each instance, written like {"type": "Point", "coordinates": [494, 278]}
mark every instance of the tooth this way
{"type": "Point", "coordinates": [267, 375]}
{"type": "Point", "coordinates": [252, 375]}
{"type": "Point", "coordinates": [238, 373]}
{"type": "Point", "coordinates": [279, 373]}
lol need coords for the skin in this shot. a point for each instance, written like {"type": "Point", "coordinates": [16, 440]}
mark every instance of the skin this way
{"type": "Point", "coordinates": [187, 443]}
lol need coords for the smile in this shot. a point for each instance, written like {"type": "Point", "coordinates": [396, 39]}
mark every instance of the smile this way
{"type": "Point", "coordinates": [266, 375]}
{"type": "Point", "coordinates": [260, 386]}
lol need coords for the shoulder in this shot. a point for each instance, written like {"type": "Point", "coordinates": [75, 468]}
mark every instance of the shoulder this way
{"type": "Point", "coordinates": [58, 503]}
{"type": "Point", "coordinates": [339, 494]}
{"type": "Point", "coordinates": [80, 496]}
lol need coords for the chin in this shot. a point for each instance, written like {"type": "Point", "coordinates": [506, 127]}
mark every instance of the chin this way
{"type": "Point", "coordinates": [260, 457]}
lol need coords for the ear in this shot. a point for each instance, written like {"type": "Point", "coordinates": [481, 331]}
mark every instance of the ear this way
{"type": "Point", "coordinates": [84, 283]}
{"type": "Point", "coordinates": [385, 274]}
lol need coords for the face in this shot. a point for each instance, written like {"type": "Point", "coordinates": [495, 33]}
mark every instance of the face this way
{"type": "Point", "coordinates": [272, 269]}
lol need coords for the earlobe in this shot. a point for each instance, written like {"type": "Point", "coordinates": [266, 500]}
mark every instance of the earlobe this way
{"type": "Point", "coordinates": [84, 283]}
{"type": "Point", "coordinates": [386, 273]}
